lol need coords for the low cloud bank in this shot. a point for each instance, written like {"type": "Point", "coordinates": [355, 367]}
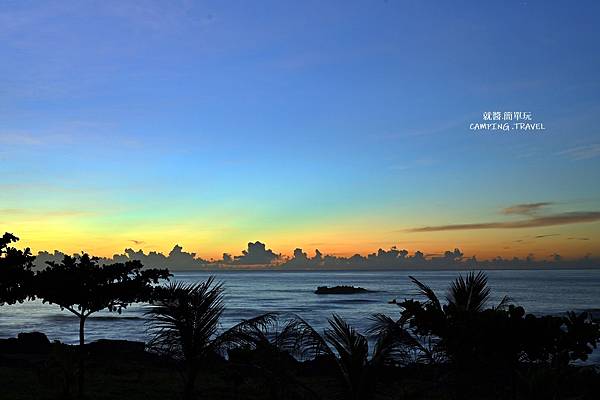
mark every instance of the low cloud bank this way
{"type": "Point", "coordinates": [177, 259]}
{"type": "Point", "coordinates": [257, 254]}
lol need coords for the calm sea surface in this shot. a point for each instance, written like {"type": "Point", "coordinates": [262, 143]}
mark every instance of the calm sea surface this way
{"type": "Point", "coordinates": [250, 293]}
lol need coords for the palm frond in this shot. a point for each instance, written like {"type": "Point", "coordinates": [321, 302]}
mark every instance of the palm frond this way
{"type": "Point", "coordinates": [347, 342]}
{"type": "Point", "coordinates": [395, 344]}
{"type": "Point", "coordinates": [352, 351]}
{"type": "Point", "coordinates": [470, 293]}
{"type": "Point", "coordinates": [504, 303]}
{"type": "Point", "coordinates": [247, 333]}
{"type": "Point", "coordinates": [427, 292]}
{"type": "Point", "coordinates": [185, 319]}
{"type": "Point", "coordinates": [302, 340]}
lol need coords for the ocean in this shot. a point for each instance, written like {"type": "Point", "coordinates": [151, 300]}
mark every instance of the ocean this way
{"type": "Point", "coordinates": [250, 293]}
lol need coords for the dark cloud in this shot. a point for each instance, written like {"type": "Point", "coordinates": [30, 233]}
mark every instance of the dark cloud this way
{"type": "Point", "coordinates": [398, 259]}
{"type": "Point", "coordinates": [257, 253]}
{"type": "Point", "coordinates": [177, 259]}
{"type": "Point", "coordinates": [525, 209]}
{"type": "Point", "coordinates": [545, 236]}
{"type": "Point", "coordinates": [300, 258]}
{"type": "Point", "coordinates": [534, 222]}
{"type": "Point", "coordinates": [138, 242]}
{"type": "Point", "coordinates": [43, 257]}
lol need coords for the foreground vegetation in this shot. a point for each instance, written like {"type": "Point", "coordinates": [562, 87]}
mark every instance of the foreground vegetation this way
{"type": "Point", "coordinates": [457, 348]}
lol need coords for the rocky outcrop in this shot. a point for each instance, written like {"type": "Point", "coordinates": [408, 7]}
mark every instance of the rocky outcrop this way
{"type": "Point", "coordinates": [340, 290]}
{"type": "Point", "coordinates": [26, 343]}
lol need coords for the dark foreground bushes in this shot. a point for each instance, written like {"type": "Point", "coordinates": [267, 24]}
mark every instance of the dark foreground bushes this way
{"type": "Point", "coordinates": [142, 375]}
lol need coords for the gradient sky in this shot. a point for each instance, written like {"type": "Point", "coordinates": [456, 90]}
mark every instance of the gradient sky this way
{"type": "Point", "coordinates": [342, 126]}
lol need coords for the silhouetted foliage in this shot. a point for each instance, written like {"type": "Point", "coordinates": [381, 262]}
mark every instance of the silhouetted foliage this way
{"type": "Point", "coordinates": [476, 339]}
{"type": "Point", "coordinates": [352, 351]}
{"type": "Point", "coordinates": [184, 321]}
{"type": "Point", "coordinates": [341, 343]}
{"type": "Point", "coordinates": [82, 286]}
{"type": "Point", "coordinates": [16, 276]}
{"type": "Point", "coordinates": [270, 347]}
{"type": "Point", "coordinates": [469, 294]}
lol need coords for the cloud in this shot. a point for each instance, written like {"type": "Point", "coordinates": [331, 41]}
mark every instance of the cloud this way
{"type": "Point", "coordinates": [56, 137]}
{"type": "Point", "coordinates": [544, 236]}
{"type": "Point", "coordinates": [428, 130]}
{"type": "Point", "coordinates": [19, 139]}
{"type": "Point", "coordinates": [12, 211]}
{"type": "Point", "coordinates": [177, 259]}
{"type": "Point", "coordinates": [257, 253]}
{"type": "Point", "coordinates": [156, 16]}
{"type": "Point", "coordinates": [138, 242]}
{"type": "Point", "coordinates": [525, 209]}
{"type": "Point", "coordinates": [578, 238]}
{"type": "Point", "coordinates": [534, 222]}
{"type": "Point", "coordinates": [582, 152]}
{"type": "Point", "coordinates": [42, 214]}
{"type": "Point", "coordinates": [420, 162]}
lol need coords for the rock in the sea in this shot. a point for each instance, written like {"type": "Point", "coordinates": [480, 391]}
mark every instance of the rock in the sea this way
{"type": "Point", "coordinates": [340, 290]}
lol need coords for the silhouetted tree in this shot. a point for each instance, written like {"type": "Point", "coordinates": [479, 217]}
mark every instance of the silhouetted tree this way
{"type": "Point", "coordinates": [452, 322]}
{"type": "Point", "coordinates": [347, 348]}
{"type": "Point", "coordinates": [184, 321]}
{"type": "Point", "coordinates": [16, 276]}
{"type": "Point", "coordinates": [82, 286]}
{"type": "Point", "coordinates": [272, 345]}
{"type": "Point", "coordinates": [357, 371]}
{"type": "Point", "coordinates": [477, 339]}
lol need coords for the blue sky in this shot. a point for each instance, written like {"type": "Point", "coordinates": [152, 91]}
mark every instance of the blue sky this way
{"type": "Point", "coordinates": [334, 124]}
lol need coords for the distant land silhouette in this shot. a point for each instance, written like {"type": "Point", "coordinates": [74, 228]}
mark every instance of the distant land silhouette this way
{"type": "Point", "coordinates": [257, 255]}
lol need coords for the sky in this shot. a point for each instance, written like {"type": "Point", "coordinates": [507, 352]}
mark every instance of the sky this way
{"type": "Point", "coordinates": [338, 125]}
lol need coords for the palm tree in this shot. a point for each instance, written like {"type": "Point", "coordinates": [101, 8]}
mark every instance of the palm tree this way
{"type": "Point", "coordinates": [272, 345]}
{"type": "Point", "coordinates": [459, 324]}
{"type": "Point", "coordinates": [357, 372]}
{"type": "Point", "coordinates": [469, 294]}
{"type": "Point", "coordinates": [396, 343]}
{"type": "Point", "coordinates": [351, 350]}
{"type": "Point", "coordinates": [184, 323]}
{"type": "Point", "coordinates": [347, 349]}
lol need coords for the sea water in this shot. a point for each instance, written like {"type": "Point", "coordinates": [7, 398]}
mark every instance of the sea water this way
{"type": "Point", "coordinates": [250, 293]}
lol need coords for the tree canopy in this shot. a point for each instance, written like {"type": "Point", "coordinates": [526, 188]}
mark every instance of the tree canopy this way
{"type": "Point", "coordinates": [83, 286]}
{"type": "Point", "coordinates": [16, 275]}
